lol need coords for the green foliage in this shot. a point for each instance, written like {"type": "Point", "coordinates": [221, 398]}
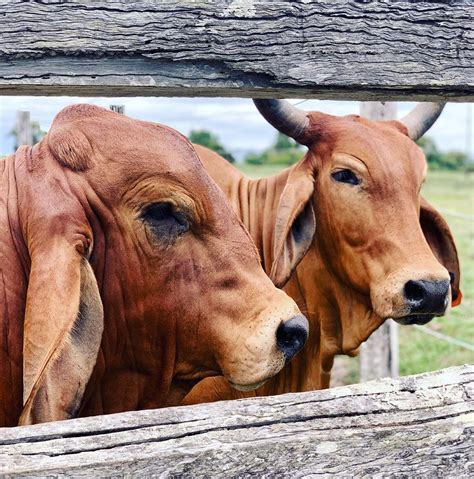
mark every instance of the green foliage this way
{"type": "Point", "coordinates": [284, 142]}
{"type": "Point", "coordinates": [211, 141]}
{"type": "Point", "coordinates": [285, 151]}
{"type": "Point", "coordinates": [36, 132]}
{"type": "Point", "coordinates": [452, 160]}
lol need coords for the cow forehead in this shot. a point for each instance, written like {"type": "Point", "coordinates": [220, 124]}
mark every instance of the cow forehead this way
{"type": "Point", "coordinates": [376, 143]}
{"type": "Point", "coordinates": [118, 142]}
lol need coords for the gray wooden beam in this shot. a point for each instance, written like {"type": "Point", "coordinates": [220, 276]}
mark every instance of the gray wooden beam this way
{"type": "Point", "coordinates": [417, 426]}
{"type": "Point", "coordinates": [248, 48]}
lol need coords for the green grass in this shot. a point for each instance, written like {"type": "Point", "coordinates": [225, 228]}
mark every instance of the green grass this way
{"type": "Point", "coordinates": [448, 191]}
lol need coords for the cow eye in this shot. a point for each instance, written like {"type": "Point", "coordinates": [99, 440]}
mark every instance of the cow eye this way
{"type": "Point", "coordinates": [345, 176]}
{"type": "Point", "coordinates": [164, 221]}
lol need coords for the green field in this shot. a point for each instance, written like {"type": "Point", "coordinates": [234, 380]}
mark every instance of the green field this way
{"type": "Point", "coordinates": [450, 192]}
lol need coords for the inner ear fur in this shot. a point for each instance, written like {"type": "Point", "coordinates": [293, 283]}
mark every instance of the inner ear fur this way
{"type": "Point", "coordinates": [441, 241]}
{"type": "Point", "coordinates": [295, 224]}
{"type": "Point", "coordinates": [64, 321]}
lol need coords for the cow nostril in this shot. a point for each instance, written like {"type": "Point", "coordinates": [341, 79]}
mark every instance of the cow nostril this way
{"type": "Point", "coordinates": [414, 291]}
{"type": "Point", "coordinates": [291, 336]}
{"type": "Point", "coordinates": [426, 296]}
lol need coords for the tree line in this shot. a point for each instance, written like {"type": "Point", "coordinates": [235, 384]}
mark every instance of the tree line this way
{"type": "Point", "coordinates": [285, 151]}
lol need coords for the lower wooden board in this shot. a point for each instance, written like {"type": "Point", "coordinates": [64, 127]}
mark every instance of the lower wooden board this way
{"type": "Point", "coordinates": [417, 426]}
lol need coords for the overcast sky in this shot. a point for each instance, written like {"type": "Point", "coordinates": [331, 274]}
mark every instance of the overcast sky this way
{"type": "Point", "coordinates": [235, 120]}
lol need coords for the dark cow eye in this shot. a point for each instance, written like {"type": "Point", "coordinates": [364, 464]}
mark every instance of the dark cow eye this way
{"type": "Point", "coordinates": [345, 176]}
{"type": "Point", "coordinates": [166, 223]}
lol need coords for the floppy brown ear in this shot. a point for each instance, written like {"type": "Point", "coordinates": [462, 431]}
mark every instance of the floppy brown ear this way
{"type": "Point", "coordinates": [441, 242]}
{"type": "Point", "coordinates": [295, 224]}
{"type": "Point", "coordinates": [64, 322]}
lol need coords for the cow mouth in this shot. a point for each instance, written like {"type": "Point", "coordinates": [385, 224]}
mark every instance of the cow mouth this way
{"type": "Point", "coordinates": [414, 319]}
{"type": "Point", "coordinates": [247, 387]}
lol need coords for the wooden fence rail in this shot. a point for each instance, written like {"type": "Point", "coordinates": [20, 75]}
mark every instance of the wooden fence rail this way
{"type": "Point", "coordinates": [417, 426]}
{"type": "Point", "coordinates": [323, 48]}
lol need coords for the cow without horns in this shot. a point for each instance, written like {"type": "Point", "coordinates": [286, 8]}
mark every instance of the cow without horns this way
{"type": "Point", "coordinates": [349, 217]}
{"type": "Point", "coordinates": [126, 277]}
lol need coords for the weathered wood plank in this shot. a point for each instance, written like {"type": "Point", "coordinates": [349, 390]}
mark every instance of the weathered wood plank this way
{"type": "Point", "coordinates": [416, 426]}
{"type": "Point", "coordinates": [265, 48]}
{"type": "Point", "coordinates": [24, 132]}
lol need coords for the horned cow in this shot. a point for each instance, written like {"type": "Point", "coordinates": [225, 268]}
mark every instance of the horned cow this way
{"type": "Point", "coordinates": [346, 232]}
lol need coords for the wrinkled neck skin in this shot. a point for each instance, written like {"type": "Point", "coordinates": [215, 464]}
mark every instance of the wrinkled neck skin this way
{"type": "Point", "coordinates": [334, 319]}
{"type": "Point", "coordinates": [124, 377]}
{"type": "Point", "coordinates": [256, 203]}
{"type": "Point", "coordinates": [14, 268]}
{"type": "Point", "coordinates": [340, 318]}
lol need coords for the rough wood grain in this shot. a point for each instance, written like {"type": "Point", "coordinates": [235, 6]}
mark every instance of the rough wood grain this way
{"type": "Point", "coordinates": [261, 48]}
{"type": "Point", "coordinates": [415, 426]}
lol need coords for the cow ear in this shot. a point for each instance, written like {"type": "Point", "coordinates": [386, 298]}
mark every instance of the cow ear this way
{"type": "Point", "coordinates": [64, 322]}
{"type": "Point", "coordinates": [441, 242]}
{"type": "Point", "coordinates": [295, 224]}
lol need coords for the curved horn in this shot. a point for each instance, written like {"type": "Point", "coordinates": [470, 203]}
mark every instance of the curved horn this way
{"type": "Point", "coordinates": [421, 118]}
{"type": "Point", "coordinates": [283, 116]}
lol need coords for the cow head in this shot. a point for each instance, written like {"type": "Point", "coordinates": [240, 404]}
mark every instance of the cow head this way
{"type": "Point", "coordinates": [141, 276]}
{"type": "Point", "coordinates": [358, 187]}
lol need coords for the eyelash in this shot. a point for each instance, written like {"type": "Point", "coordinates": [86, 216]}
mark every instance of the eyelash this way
{"type": "Point", "coordinates": [165, 222]}
{"type": "Point", "coordinates": [345, 176]}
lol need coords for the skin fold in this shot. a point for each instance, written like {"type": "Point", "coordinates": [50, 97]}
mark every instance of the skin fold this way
{"type": "Point", "coordinates": [125, 275]}
{"type": "Point", "coordinates": [344, 252]}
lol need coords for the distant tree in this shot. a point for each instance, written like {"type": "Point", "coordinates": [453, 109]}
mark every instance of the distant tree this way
{"type": "Point", "coordinates": [284, 151]}
{"type": "Point", "coordinates": [455, 160]}
{"type": "Point", "coordinates": [284, 142]}
{"type": "Point", "coordinates": [433, 155]}
{"type": "Point", "coordinates": [210, 140]}
{"type": "Point", "coordinates": [437, 160]}
{"type": "Point", "coordinates": [36, 132]}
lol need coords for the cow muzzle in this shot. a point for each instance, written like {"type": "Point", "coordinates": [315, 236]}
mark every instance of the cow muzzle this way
{"type": "Point", "coordinates": [269, 342]}
{"type": "Point", "coordinates": [411, 296]}
{"type": "Point", "coordinates": [425, 299]}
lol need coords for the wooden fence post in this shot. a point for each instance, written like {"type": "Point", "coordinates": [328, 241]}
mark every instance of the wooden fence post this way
{"type": "Point", "coordinates": [24, 134]}
{"type": "Point", "coordinates": [118, 109]}
{"type": "Point", "coordinates": [379, 354]}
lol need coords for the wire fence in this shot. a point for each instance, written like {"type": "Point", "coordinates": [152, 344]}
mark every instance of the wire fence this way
{"type": "Point", "coordinates": [455, 214]}
{"type": "Point", "coordinates": [444, 337]}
